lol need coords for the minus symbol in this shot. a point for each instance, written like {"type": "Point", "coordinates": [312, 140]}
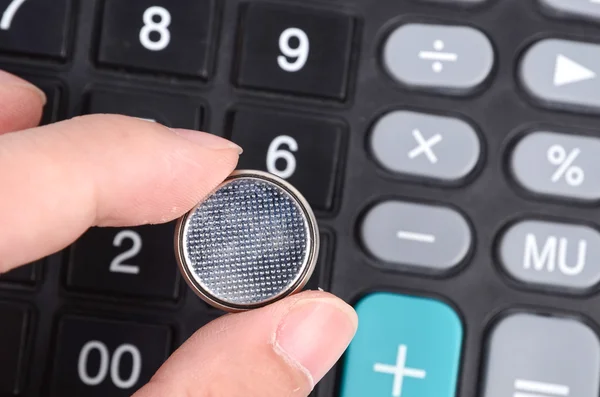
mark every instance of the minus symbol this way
{"type": "Point", "coordinates": [419, 237]}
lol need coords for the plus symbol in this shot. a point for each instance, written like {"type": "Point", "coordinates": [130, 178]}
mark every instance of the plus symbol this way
{"type": "Point", "coordinates": [399, 371]}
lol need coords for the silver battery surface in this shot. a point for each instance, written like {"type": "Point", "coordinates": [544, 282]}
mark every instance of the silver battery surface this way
{"type": "Point", "coordinates": [253, 241]}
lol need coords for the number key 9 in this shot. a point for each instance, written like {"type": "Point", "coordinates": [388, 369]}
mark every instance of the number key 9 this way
{"type": "Point", "coordinates": [296, 50]}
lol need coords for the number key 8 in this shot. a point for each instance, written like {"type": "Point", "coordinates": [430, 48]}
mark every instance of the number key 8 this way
{"type": "Point", "coordinates": [160, 36]}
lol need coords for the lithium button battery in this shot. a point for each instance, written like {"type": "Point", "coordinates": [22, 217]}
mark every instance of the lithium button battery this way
{"type": "Point", "coordinates": [253, 241]}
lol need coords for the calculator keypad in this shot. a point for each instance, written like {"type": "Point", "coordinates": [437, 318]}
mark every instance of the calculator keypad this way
{"type": "Point", "coordinates": [424, 145]}
{"type": "Point", "coordinates": [137, 262]}
{"type": "Point", "coordinates": [448, 150]}
{"type": "Point", "coordinates": [304, 150]}
{"type": "Point", "coordinates": [295, 50]}
{"type": "Point", "coordinates": [159, 36]}
{"type": "Point", "coordinates": [97, 357]}
{"type": "Point", "coordinates": [34, 27]}
{"type": "Point", "coordinates": [454, 59]}
{"type": "Point", "coordinates": [534, 355]}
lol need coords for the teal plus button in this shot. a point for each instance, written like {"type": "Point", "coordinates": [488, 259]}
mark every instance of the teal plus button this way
{"type": "Point", "coordinates": [404, 347]}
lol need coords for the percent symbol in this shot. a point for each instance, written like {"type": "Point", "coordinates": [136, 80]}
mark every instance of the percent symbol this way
{"type": "Point", "coordinates": [557, 155]}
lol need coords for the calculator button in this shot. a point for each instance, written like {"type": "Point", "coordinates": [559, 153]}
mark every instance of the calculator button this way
{"type": "Point", "coordinates": [558, 164]}
{"type": "Point", "coordinates": [452, 59]}
{"type": "Point", "coordinates": [563, 72]}
{"type": "Point", "coordinates": [555, 254]}
{"type": "Point", "coordinates": [303, 150]}
{"type": "Point", "coordinates": [416, 235]}
{"type": "Point", "coordinates": [106, 358]}
{"type": "Point", "coordinates": [405, 346]}
{"type": "Point", "coordinates": [158, 35]}
{"type": "Point", "coordinates": [587, 9]}
{"type": "Point", "coordinates": [35, 27]}
{"type": "Point", "coordinates": [12, 345]}
{"type": "Point", "coordinates": [295, 49]}
{"type": "Point", "coordinates": [26, 274]}
{"type": "Point", "coordinates": [534, 355]}
{"type": "Point", "coordinates": [173, 112]}
{"type": "Point", "coordinates": [138, 262]}
{"type": "Point", "coordinates": [425, 145]}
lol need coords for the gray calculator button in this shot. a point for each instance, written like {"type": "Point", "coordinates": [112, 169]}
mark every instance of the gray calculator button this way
{"type": "Point", "coordinates": [418, 235]}
{"type": "Point", "coordinates": [539, 356]}
{"type": "Point", "coordinates": [453, 58]}
{"type": "Point", "coordinates": [563, 72]}
{"type": "Point", "coordinates": [425, 145]}
{"type": "Point", "coordinates": [555, 254]}
{"type": "Point", "coordinates": [558, 164]}
{"type": "Point", "coordinates": [588, 9]}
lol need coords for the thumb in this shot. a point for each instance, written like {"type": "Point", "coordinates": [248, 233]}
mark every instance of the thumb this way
{"type": "Point", "coordinates": [280, 350]}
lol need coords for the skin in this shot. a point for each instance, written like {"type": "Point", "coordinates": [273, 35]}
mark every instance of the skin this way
{"type": "Point", "coordinates": [109, 170]}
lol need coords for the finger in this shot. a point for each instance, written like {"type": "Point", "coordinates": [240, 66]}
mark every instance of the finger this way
{"type": "Point", "coordinates": [102, 170]}
{"type": "Point", "coordinates": [280, 350]}
{"type": "Point", "coordinates": [21, 103]}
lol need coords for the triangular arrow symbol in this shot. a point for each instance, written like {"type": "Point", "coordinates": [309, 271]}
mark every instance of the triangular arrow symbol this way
{"type": "Point", "coordinates": [568, 71]}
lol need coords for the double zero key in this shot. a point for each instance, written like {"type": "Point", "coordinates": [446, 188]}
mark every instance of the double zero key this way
{"type": "Point", "coordinates": [104, 357]}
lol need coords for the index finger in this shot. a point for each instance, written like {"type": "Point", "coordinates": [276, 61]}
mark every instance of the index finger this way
{"type": "Point", "coordinates": [100, 170]}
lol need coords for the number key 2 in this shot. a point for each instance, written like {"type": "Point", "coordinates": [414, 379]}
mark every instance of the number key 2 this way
{"type": "Point", "coordinates": [136, 262]}
{"type": "Point", "coordinates": [295, 49]}
{"type": "Point", "coordinates": [303, 150]}
{"type": "Point", "coordinates": [158, 35]}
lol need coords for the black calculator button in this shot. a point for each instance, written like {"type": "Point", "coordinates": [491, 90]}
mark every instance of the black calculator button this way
{"type": "Point", "coordinates": [35, 27]}
{"type": "Point", "coordinates": [97, 357]}
{"type": "Point", "coordinates": [303, 150]}
{"type": "Point", "coordinates": [13, 333]}
{"type": "Point", "coordinates": [136, 262]}
{"type": "Point", "coordinates": [296, 50]}
{"type": "Point", "coordinates": [173, 112]}
{"type": "Point", "coordinates": [27, 274]}
{"type": "Point", "coordinates": [158, 35]}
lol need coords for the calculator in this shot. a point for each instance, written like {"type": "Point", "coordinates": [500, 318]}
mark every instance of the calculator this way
{"type": "Point", "coordinates": [449, 149]}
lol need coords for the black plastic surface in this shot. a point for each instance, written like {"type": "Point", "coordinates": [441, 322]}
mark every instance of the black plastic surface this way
{"type": "Point", "coordinates": [500, 109]}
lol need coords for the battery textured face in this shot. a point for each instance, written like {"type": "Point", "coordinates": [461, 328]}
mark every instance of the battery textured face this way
{"type": "Point", "coordinates": [251, 242]}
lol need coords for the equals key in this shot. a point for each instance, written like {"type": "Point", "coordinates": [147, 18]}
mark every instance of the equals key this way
{"type": "Point", "coordinates": [425, 237]}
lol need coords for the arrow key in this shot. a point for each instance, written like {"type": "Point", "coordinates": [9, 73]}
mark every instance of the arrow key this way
{"type": "Point", "coordinates": [563, 73]}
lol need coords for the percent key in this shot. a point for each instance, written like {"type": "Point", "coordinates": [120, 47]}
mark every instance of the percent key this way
{"type": "Point", "coordinates": [558, 164]}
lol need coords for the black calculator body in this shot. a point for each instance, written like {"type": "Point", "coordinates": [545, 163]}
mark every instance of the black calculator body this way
{"type": "Point", "coordinates": [448, 147]}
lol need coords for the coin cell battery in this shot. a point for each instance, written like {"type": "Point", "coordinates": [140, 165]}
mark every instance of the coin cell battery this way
{"type": "Point", "coordinates": [253, 241]}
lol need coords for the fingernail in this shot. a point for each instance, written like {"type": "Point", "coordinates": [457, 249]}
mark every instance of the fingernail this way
{"type": "Point", "coordinates": [315, 334]}
{"type": "Point", "coordinates": [10, 79]}
{"type": "Point", "coordinates": [207, 140]}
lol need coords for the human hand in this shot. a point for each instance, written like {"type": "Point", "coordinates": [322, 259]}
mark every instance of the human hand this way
{"type": "Point", "coordinates": [107, 170]}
